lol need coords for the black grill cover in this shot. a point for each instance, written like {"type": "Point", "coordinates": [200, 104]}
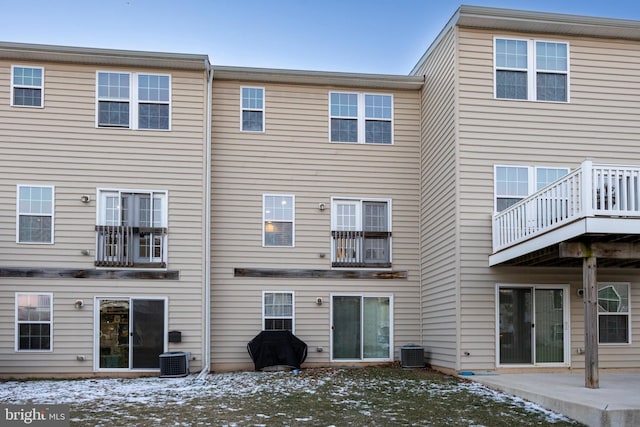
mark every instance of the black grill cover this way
{"type": "Point", "coordinates": [277, 348]}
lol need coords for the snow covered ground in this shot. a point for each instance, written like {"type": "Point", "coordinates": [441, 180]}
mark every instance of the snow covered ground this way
{"type": "Point", "coordinates": [138, 401]}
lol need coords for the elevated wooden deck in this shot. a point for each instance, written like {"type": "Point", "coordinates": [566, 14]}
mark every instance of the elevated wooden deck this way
{"type": "Point", "coordinates": [594, 203]}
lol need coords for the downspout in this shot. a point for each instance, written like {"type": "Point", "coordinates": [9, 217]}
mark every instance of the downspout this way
{"type": "Point", "coordinates": [207, 229]}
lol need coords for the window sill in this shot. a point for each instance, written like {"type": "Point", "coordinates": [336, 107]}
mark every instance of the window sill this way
{"type": "Point", "coordinates": [544, 101]}
{"type": "Point", "coordinates": [361, 143]}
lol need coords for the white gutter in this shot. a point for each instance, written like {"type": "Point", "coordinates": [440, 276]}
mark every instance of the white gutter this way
{"type": "Point", "coordinates": [207, 232]}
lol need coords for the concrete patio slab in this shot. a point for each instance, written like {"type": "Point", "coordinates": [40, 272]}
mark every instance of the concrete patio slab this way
{"type": "Point", "coordinates": [615, 404]}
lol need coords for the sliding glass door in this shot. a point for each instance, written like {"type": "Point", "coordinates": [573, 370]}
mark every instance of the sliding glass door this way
{"type": "Point", "coordinates": [361, 327]}
{"type": "Point", "coordinates": [532, 322]}
{"type": "Point", "coordinates": [131, 332]}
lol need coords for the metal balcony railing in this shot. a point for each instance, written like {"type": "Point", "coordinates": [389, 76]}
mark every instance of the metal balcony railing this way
{"type": "Point", "coordinates": [124, 246]}
{"type": "Point", "coordinates": [361, 249]}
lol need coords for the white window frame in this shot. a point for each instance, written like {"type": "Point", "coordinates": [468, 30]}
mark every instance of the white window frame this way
{"type": "Point", "coordinates": [22, 86]}
{"type": "Point", "coordinates": [532, 174]}
{"type": "Point", "coordinates": [101, 217]}
{"type": "Point", "coordinates": [359, 226]}
{"type": "Point", "coordinates": [133, 100]}
{"type": "Point", "coordinates": [626, 313]}
{"type": "Point", "coordinates": [96, 328]}
{"type": "Point", "coordinates": [358, 201]}
{"type": "Point", "coordinates": [248, 109]}
{"type": "Point", "coordinates": [19, 322]}
{"type": "Point", "coordinates": [51, 214]}
{"type": "Point", "coordinates": [266, 221]}
{"type": "Point", "coordinates": [566, 318]}
{"type": "Point", "coordinates": [362, 119]}
{"type": "Point", "coordinates": [102, 193]}
{"type": "Point", "coordinates": [362, 296]}
{"type": "Point", "coordinates": [293, 310]}
{"type": "Point", "coordinates": [532, 70]}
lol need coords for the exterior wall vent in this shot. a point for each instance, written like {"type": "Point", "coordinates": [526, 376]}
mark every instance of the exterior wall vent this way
{"type": "Point", "coordinates": [412, 356]}
{"type": "Point", "coordinates": [174, 364]}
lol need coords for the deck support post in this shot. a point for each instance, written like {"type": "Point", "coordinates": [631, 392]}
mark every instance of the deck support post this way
{"type": "Point", "coordinates": [590, 252]}
{"type": "Point", "coordinates": [589, 278]}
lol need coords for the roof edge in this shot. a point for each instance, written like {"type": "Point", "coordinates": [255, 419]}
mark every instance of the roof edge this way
{"type": "Point", "coordinates": [100, 56]}
{"type": "Point", "coordinates": [499, 14]}
{"type": "Point", "coordinates": [515, 20]}
{"type": "Point", "coordinates": [321, 78]}
{"type": "Point", "coordinates": [450, 24]}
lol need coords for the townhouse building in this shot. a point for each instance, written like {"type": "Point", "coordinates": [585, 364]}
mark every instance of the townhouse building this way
{"type": "Point", "coordinates": [314, 213]}
{"type": "Point", "coordinates": [103, 177]}
{"type": "Point", "coordinates": [513, 104]}
{"type": "Point", "coordinates": [485, 206]}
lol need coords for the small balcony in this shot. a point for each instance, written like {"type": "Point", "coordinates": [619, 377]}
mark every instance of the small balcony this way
{"type": "Point", "coordinates": [361, 249]}
{"type": "Point", "coordinates": [593, 200]}
{"type": "Point", "coordinates": [121, 246]}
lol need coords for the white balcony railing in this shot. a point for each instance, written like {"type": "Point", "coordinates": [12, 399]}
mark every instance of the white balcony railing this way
{"type": "Point", "coordinates": [590, 191]}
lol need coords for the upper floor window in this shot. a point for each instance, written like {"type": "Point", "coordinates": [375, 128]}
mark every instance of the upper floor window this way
{"type": "Point", "coordinates": [277, 311]}
{"type": "Point", "coordinates": [132, 229]}
{"type": "Point", "coordinates": [613, 313]}
{"type": "Point", "coordinates": [361, 118]}
{"type": "Point", "coordinates": [532, 70]}
{"type": "Point", "coordinates": [361, 233]}
{"type": "Point", "coordinates": [35, 214]}
{"type": "Point", "coordinates": [133, 100]}
{"type": "Point", "coordinates": [514, 183]}
{"type": "Point", "coordinates": [278, 220]}
{"type": "Point", "coordinates": [34, 322]}
{"type": "Point", "coordinates": [252, 109]}
{"type": "Point", "coordinates": [27, 85]}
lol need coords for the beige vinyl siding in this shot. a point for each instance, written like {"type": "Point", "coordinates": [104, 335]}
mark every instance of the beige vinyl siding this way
{"type": "Point", "coordinates": [439, 267]}
{"type": "Point", "coordinates": [294, 157]}
{"type": "Point", "coordinates": [60, 145]}
{"type": "Point", "coordinates": [599, 122]}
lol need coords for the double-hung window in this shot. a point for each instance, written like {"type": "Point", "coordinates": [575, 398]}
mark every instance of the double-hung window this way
{"type": "Point", "coordinates": [361, 233]}
{"type": "Point", "coordinates": [278, 220]}
{"type": "Point", "coordinates": [361, 118]}
{"type": "Point", "coordinates": [133, 100]}
{"type": "Point", "coordinates": [613, 313]}
{"type": "Point", "coordinates": [27, 86]}
{"type": "Point", "coordinates": [514, 183]}
{"type": "Point", "coordinates": [277, 311]}
{"type": "Point", "coordinates": [132, 229]}
{"type": "Point", "coordinates": [252, 109]}
{"type": "Point", "coordinates": [34, 322]}
{"type": "Point", "coordinates": [532, 70]}
{"type": "Point", "coordinates": [35, 214]}
{"type": "Point", "coordinates": [153, 101]}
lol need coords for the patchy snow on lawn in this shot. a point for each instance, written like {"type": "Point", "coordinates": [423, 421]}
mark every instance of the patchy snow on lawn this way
{"type": "Point", "coordinates": [479, 389]}
{"type": "Point", "coordinates": [158, 393]}
{"type": "Point", "coordinates": [153, 390]}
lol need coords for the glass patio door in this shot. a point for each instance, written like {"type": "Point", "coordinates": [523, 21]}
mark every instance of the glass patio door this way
{"type": "Point", "coordinates": [147, 334]}
{"type": "Point", "coordinates": [114, 334]}
{"type": "Point", "coordinates": [361, 327]}
{"type": "Point", "coordinates": [531, 325]}
{"type": "Point", "coordinates": [131, 333]}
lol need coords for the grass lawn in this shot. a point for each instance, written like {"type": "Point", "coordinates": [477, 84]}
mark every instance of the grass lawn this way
{"type": "Point", "coordinates": [377, 396]}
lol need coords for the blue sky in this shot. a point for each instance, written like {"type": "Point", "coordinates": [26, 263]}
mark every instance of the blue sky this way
{"type": "Point", "coordinates": [366, 36]}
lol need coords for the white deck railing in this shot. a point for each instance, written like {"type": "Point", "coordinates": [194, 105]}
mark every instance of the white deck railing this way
{"type": "Point", "coordinates": [592, 190]}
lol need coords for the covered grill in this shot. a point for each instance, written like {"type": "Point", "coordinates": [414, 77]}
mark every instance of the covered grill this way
{"type": "Point", "coordinates": [271, 350]}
